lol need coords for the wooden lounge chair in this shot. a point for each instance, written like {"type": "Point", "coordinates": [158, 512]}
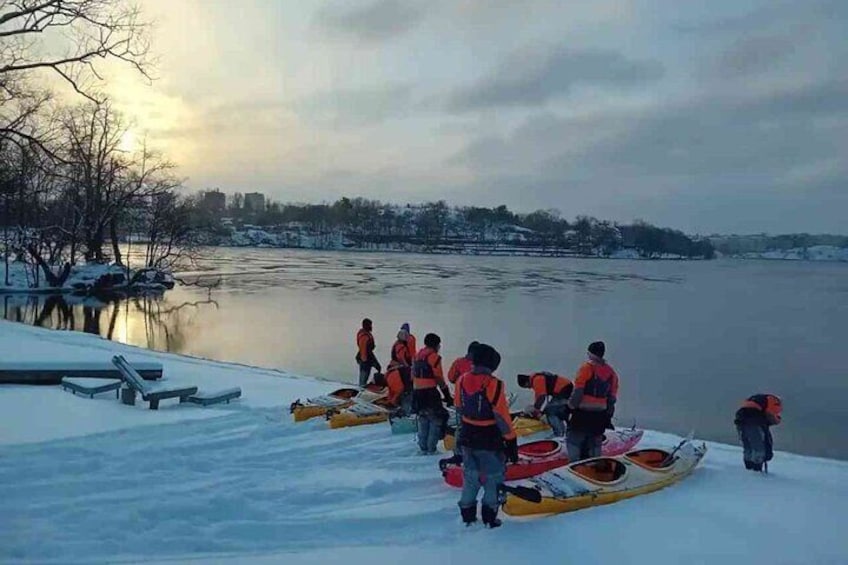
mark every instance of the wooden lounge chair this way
{"type": "Point", "coordinates": [91, 386]}
{"type": "Point", "coordinates": [151, 394]}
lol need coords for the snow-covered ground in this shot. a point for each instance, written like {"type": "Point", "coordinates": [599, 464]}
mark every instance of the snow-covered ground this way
{"type": "Point", "coordinates": [86, 481]}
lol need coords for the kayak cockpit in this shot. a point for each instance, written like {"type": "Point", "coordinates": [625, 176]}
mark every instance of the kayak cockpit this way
{"type": "Point", "coordinates": [653, 459]}
{"type": "Point", "coordinates": [603, 470]}
{"type": "Point", "coordinates": [541, 448]}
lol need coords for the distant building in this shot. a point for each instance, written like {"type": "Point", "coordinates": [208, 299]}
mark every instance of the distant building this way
{"type": "Point", "coordinates": [214, 201]}
{"type": "Point", "coordinates": [254, 202]}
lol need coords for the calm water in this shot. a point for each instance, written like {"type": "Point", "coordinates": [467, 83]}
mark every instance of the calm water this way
{"type": "Point", "coordinates": [690, 340]}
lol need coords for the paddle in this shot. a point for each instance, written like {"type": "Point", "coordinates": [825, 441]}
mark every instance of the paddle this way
{"type": "Point", "coordinates": [671, 455]}
{"type": "Point", "coordinates": [524, 493]}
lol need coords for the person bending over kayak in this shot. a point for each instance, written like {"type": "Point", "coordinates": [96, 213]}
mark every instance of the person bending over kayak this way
{"type": "Point", "coordinates": [552, 394]}
{"type": "Point", "coordinates": [427, 381]}
{"type": "Point", "coordinates": [397, 395]}
{"type": "Point", "coordinates": [488, 437]}
{"type": "Point", "coordinates": [753, 420]}
{"type": "Point", "coordinates": [592, 403]}
{"type": "Point", "coordinates": [365, 357]}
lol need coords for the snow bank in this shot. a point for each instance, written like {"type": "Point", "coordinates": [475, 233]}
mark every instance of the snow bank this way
{"type": "Point", "coordinates": [813, 253]}
{"type": "Point", "coordinates": [82, 278]}
{"type": "Point", "coordinates": [243, 484]}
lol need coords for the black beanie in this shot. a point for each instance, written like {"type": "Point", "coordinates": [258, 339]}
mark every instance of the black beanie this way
{"type": "Point", "coordinates": [597, 348]}
{"type": "Point", "coordinates": [523, 381]}
{"type": "Point", "coordinates": [432, 340]}
{"type": "Point", "coordinates": [471, 346]}
{"type": "Point", "coordinates": [486, 356]}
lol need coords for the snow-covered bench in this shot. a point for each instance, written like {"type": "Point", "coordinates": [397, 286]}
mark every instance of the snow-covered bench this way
{"type": "Point", "coordinates": [52, 372]}
{"type": "Point", "coordinates": [207, 398]}
{"type": "Point", "coordinates": [91, 386]}
{"type": "Point", "coordinates": [150, 394]}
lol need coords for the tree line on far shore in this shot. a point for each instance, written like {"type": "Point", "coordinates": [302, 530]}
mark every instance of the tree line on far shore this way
{"type": "Point", "coordinates": [436, 225]}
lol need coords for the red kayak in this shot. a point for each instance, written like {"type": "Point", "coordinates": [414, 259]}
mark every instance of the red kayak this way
{"type": "Point", "coordinates": [536, 457]}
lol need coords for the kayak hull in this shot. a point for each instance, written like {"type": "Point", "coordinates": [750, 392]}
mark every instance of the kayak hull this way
{"type": "Point", "coordinates": [567, 489]}
{"type": "Point", "coordinates": [537, 457]}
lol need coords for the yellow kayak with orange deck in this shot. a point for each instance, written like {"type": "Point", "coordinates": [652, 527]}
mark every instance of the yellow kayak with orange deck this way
{"type": "Point", "coordinates": [602, 480]}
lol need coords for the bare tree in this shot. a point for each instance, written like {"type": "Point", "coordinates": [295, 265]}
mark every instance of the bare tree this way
{"type": "Point", "coordinates": [68, 39]}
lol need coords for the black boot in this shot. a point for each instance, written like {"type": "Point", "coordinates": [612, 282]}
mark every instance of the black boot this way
{"type": "Point", "coordinates": [469, 515]}
{"type": "Point", "coordinates": [490, 517]}
{"type": "Point", "coordinates": [748, 465]}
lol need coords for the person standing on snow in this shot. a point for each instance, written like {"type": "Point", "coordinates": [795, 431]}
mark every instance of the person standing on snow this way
{"type": "Point", "coordinates": [411, 343]}
{"type": "Point", "coordinates": [402, 356]}
{"type": "Point", "coordinates": [427, 380]}
{"type": "Point", "coordinates": [552, 394]}
{"type": "Point", "coordinates": [753, 420]}
{"type": "Point", "coordinates": [459, 367]}
{"type": "Point", "coordinates": [365, 352]}
{"type": "Point", "coordinates": [488, 437]}
{"type": "Point", "coordinates": [593, 405]}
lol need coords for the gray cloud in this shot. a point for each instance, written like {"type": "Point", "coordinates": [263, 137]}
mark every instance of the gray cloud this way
{"type": "Point", "coordinates": [372, 23]}
{"type": "Point", "coordinates": [684, 165]}
{"type": "Point", "coordinates": [753, 55]}
{"type": "Point", "coordinates": [357, 107]}
{"type": "Point", "coordinates": [529, 79]}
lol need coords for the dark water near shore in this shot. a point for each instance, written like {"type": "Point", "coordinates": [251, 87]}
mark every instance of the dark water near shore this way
{"type": "Point", "coordinates": [689, 339]}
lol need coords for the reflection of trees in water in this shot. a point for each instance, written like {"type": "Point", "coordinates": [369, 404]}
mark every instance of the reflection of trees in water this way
{"type": "Point", "coordinates": [165, 326]}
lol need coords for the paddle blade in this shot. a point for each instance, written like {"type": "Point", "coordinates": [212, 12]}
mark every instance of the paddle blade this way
{"type": "Point", "coordinates": [524, 493]}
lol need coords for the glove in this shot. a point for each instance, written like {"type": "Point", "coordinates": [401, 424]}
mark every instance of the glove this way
{"type": "Point", "coordinates": [511, 450]}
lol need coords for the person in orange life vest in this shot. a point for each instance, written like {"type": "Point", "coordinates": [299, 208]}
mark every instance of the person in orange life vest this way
{"type": "Point", "coordinates": [462, 365]}
{"type": "Point", "coordinates": [427, 381]}
{"type": "Point", "coordinates": [411, 343]}
{"type": "Point", "coordinates": [394, 382]}
{"type": "Point", "coordinates": [552, 394]}
{"type": "Point", "coordinates": [592, 404]}
{"type": "Point", "coordinates": [488, 437]}
{"type": "Point", "coordinates": [365, 352]}
{"type": "Point", "coordinates": [403, 356]}
{"type": "Point", "coordinates": [459, 367]}
{"type": "Point", "coordinates": [753, 420]}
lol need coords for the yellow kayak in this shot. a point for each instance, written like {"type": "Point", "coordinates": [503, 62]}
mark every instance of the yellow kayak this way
{"type": "Point", "coordinates": [602, 480]}
{"type": "Point", "coordinates": [524, 426]}
{"type": "Point", "coordinates": [360, 413]}
{"type": "Point", "coordinates": [334, 401]}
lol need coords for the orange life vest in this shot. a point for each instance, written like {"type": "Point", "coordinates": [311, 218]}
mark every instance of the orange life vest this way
{"type": "Point", "coordinates": [401, 353]}
{"type": "Point", "coordinates": [458, 368]}
{"type": "Point", "coordinates": [365, 345]}
{"type": "Point", "coordinates": [598, 383]}
{"type": "Point", "coordinates": [548, 384]}
{"type": "Point", "coordinates": [769, 404]}
{"type": "Point", "coordinates": [427, 370]}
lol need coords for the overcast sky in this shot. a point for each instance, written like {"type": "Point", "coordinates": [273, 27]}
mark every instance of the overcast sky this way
{"type": "Point", "coordinates": [720, 116]}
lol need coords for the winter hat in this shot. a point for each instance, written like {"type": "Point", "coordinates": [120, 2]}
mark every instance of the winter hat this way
{"type": "Point", "coordinates": [432, 341]}
{"type": "Point", "coordinates": [405, 327]}
{"type": "Point", "coordinates": [597, 348]}
{"type": "Point", "coordinates": [486, 356]}
{"type": "Point", "coordinates": [403, 335]}
{"type": "Point", "coordinates": [524, 381]}
{"type": "Point", "coordinates": [366, 324]}
{"type": "Point", "coordinates": [471, 346]}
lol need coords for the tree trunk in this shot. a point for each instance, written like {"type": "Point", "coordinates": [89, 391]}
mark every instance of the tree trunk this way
{"type": "Point", "coordinates": [54, 281]}
{"type": "Point", "coordinates": [113, 233]}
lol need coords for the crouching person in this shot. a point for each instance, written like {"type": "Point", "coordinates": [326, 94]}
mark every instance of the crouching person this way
{"type": "Point", "coordinates": [753, 420]}
{"type": "Point", "coordinates": [427, 381]}
{"type": "Point", "coordinates": [487, 439]}
{"type": "Point", "coordinates": [551, 398]}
